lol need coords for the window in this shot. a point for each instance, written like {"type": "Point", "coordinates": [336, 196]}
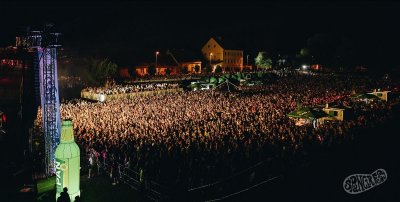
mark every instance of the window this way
{"type": "Point", "coordinates": [208, 45]}
{"type": "Point", "coordinates": [379, 94]}
{"type": "Point", "coordinates": [214, 45]}
{"type": "Point", "coordinates": [335, 113]}
{"type": "Point", "coordinates": [225, 53]}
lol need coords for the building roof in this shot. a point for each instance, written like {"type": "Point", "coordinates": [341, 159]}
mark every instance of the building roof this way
{"type": "Point", "coordinates": [226, 44]}
{"type": "Point", "coordinates": [308, 113]}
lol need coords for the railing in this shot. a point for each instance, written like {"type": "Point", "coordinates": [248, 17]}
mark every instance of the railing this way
{"type": "Point", "coordinates": [246, 189]}
{"type": "Point", "coordinates": [258, 174]}
{"type": "Point", "coordinates": [153, 190]}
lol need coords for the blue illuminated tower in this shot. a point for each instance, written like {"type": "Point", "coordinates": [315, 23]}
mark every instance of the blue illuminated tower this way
{"type": "Point", "coordinates": [44, 44]}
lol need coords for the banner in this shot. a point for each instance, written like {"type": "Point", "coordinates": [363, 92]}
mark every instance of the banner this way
{"type": "Point", "coordinates": [61, 180]}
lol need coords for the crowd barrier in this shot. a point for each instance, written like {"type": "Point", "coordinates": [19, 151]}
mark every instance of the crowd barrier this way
{"type": "Point", "coordinates": [241, 181]}
{"type": "Point", "coordinates": [139, 182]}
{"type": "Point", "coordinates": [105, 97]}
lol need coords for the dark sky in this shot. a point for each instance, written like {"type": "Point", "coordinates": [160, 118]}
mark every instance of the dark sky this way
{"type": "Point", "coordinates": [128, 31]}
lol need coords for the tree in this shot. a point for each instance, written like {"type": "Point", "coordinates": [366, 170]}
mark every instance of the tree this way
{"type": "Point", "coordinates": [185, 70]}
{"type": "Point", "coordinates": [218, 69]}
{"type": "Point", "coordinates": [95, 71]}
{"type": "Point", "coordinates": [104, 69]}
{"type": "Point", "coordinates": [197, 68]}
{"type": "Point", "coordinates": [303, 57]}
{"type": "Point", "coordinates": [322, 47]}
{"type": "Point", "coordinates": [305, 52]}
{"type": "Point", "coordinates": [132, 72]}
{"type": "Point", "coordinates": [168, 71]}
{"type": "Point", "coordinates": [262, 61]}
{"type": "Point", "coordinates": [345, 54]}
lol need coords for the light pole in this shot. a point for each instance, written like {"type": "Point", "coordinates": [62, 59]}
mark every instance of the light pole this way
{"type": "Point", "coordinates": [156, 57]}
{"type": "Point", "coordinates": [247, 64]}
{"type": "Point", "coordinates": [210, 58]}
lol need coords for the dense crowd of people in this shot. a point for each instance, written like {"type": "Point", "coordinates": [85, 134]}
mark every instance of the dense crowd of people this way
{"type": "Point", "coordinates": [130, 88]}
{"type": "Point", "coordinates": [198, 136]}
{"type": "Point", "coordinates": [169, 77]}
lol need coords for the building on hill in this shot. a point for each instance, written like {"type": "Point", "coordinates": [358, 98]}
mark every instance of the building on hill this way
{"type": "Point", "coordinates": [224, 54]}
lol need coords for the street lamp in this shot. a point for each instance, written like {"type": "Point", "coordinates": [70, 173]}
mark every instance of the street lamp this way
{"type": "Point", "coordinates": [247, 60]}
{"type": "Point", "coordinates": [210, 58]}
{"type": "Point", "coordinates": [156, 57]}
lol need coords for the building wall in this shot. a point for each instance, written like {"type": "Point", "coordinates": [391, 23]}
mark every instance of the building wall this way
{"type": "Point", "coordinates": [160, 70]}
{"type": "Point", "coordinates": [191, 66]}
{"type": "Point", "coordinates": [213, 47]}
{"type": "Point", "coordinates": [226, 58]}
{"type": "Point", "coordinates": [124, 72]}
{"type": "Point", "coordinates": [141, 70]}
{"type": "Point", "coordinates": [233, 58]}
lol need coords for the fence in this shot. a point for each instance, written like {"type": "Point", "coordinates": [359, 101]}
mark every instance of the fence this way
{"type": "Point", "coordinates": [140, 182]}
{"type": "Point", "coordinates": [105, 97]}
{"type": "Point", "coordinates": [258, 174]}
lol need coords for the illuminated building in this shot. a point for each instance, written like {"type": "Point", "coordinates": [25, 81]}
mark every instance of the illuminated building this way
{"type": "Point", "coordinates": [221, 53]}
{"type": "Point", "coordinates": [176, 61]}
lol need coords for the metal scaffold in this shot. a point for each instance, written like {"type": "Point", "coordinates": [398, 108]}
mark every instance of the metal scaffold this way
{"type": "Point", "coordinates": [44, 45]}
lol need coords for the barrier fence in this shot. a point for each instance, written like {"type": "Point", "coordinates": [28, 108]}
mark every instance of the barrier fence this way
{"type": "Point", "coordinates": [256, 175]}
{"type": "Point", "coordinates": [246, 189]}
{"type": "Point", "coordinates": [139, 181]}
{"type": "Point", "coordinates": [237, 183]}
{"type": "Point", "coordinates": [104, 97]}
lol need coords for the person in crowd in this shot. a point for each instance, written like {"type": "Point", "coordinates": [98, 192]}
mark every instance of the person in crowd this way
{"type": "Point", "coordinates": [64, 196]}
{"type": "Point", "coordinates": [201, 136]}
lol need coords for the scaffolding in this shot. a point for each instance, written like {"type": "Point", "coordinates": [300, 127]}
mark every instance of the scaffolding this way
{"type": "Point", "coordinates": [44, 44]}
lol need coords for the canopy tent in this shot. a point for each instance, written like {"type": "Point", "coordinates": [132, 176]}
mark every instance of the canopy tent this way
{"type": "Point", "coordinates": [307, 113]}
{"type": "Point", "coordinates": [200, 86]}
{"type": "Point", "coordinates": [226, 85]}
{"type": "Point", "coordinates": [364, 96]}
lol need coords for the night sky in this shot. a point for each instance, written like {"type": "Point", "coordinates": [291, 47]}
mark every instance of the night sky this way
{"type": "Point", "coordinates": [127, 32]}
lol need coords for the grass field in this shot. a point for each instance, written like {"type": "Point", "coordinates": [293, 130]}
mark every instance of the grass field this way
{"type": "Point", "coordinates": [46, 185]}
{"type": "Point", "coordinates": [97, 189]}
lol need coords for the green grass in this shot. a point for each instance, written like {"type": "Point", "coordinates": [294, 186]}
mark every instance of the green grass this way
{"type": "Point", "coordinates": [46, 185]}
{"type": "Point", "coordinates": [99, 189]}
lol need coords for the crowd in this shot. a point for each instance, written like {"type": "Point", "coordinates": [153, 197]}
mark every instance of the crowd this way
{"type": "Point", "coordinates": [168, 77]}
{"type": "Point", "coordinates": [197, 137]}
{"type": "Point", "coordinates": [130, 88]}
